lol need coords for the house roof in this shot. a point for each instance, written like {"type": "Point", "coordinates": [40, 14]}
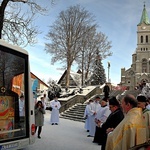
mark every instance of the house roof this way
{"type": "Point", "coordinates": [74, 75]}
{"type": "Point", "coordinates": [63, 75]}
{"type": "Point", "coordinates": [34, 76]}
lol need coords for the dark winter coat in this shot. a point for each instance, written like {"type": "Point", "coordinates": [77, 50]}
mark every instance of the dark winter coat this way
{"type": "Point", "coordinates": [112, 121]}
{"type": "Point", "coordinates": [106, 89]}
{"type": "Point", "coordinates": [39, 116]}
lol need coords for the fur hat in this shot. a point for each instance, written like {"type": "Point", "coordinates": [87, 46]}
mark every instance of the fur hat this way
{"type": "Point", "coordinates": [97, 97]}
{"type": "Point", "coordinates": [114, 101]}
{"type": "Point", "coordinates": [105, 99]}
{"type": "Point", "coordinates": [141, 98]}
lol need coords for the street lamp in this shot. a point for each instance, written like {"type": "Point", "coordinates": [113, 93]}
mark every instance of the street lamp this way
{"type": "Point", "coordinates": [82, 68]}
{"type": "Point", "coordinates": [108, 70]}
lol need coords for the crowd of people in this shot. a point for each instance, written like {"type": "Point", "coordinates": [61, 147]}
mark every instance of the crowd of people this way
{"type": "Point", "coordinates": [114, 124]}
{"type": "Point", "coordinates": [144, 88]}
{"type": "Point", "coordinates": [118, 124]}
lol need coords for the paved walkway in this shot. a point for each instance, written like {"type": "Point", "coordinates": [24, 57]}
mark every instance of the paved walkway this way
{"type": "Point", "coordinates": [68, 135]}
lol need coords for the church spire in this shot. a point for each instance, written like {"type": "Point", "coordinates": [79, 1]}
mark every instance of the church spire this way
{"type": "Point", "coordinates": [144, 17]}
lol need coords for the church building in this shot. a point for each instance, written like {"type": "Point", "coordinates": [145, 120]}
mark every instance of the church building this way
{"type": "Point", "coordinates": [140, 67]}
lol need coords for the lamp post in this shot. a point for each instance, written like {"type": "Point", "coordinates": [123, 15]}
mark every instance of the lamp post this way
{"type": "Point", "coordinates": [108, 70]}
{"type": "Point", "coordinates": [82, 68]}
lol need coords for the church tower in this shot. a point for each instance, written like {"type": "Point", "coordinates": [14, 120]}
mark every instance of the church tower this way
{"type": "Point", "coordinates": [140, 67]}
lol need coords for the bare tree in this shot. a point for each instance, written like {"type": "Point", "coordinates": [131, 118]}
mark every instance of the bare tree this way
{"type": "Point", "coordinates": [17, 20]}
{"type": "Point", "coordinates": [66, 36]}
{"type": "Point", "coordinates": [96, 43]}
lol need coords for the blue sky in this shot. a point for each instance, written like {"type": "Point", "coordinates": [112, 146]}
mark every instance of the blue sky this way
{"type": "Point", "coordinates": [118, 19]}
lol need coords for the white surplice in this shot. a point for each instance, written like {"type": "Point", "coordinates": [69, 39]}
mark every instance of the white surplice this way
{"type": "Point", "coordinates": [55, 104]}
{"type": "Point", "coordinates": [103, 114]}
{"type": "Point", "coordinates": [86, 116]}
{"type": "Point", "coordinates": [94, 107]}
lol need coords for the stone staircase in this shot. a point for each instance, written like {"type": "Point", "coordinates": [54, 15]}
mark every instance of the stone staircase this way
{"type": "Point", "coordinates": [75, 113]}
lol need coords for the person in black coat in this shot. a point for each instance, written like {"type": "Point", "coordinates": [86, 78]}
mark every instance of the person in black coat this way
{"type": "Point", "coordinates": [106, 90]}
{"type": "Point", "coordinates": [112, 121]}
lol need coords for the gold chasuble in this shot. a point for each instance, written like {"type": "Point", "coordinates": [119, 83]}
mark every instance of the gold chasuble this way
{"type": "Point", "coordinates": [130, 132]}
{"type": "Point", "coordinates": [146, 116]}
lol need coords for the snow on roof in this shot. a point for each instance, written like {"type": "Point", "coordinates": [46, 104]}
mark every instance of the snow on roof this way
{"type": "Point", "coordinates": [76, 77]}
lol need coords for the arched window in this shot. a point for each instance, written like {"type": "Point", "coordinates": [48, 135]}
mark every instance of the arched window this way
{"type": "Point", "coordinates": [141, 39]}
{"type": "Point", "coordinates": [131, 72]}
{"type": "Point", "coordinates": [144, 65]}
{"type": "Point", "coordinates": [146, 38]}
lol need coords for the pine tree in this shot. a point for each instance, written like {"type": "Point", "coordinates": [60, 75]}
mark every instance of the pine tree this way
{"type": "Point", "coordinates": [98, 76]}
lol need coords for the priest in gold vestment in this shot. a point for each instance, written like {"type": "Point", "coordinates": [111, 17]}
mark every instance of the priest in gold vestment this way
{"type": "Point", "coordinates": [142, 103]}
{"type": "Point", "coordinates": [131, 131]}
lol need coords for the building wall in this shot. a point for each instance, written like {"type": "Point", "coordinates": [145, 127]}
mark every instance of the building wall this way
{"type": "Point", "coordinates": [18, 80]}
{"type": "Point", "coordinates": [140, 67]}
{"type": "Point", "coordinates": [42, 87]}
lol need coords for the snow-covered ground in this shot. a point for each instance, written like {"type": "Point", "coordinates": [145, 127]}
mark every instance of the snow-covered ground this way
{"type": "Point", "coordinates": [68, 135]}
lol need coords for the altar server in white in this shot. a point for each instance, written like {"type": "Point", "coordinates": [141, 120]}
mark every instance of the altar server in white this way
{"type": "Point", "coordinates": [94, 108]}
{"type": "Point", "coordinates": [87, 115]}
{"type": "Point", "coordinates": [55, 104]}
